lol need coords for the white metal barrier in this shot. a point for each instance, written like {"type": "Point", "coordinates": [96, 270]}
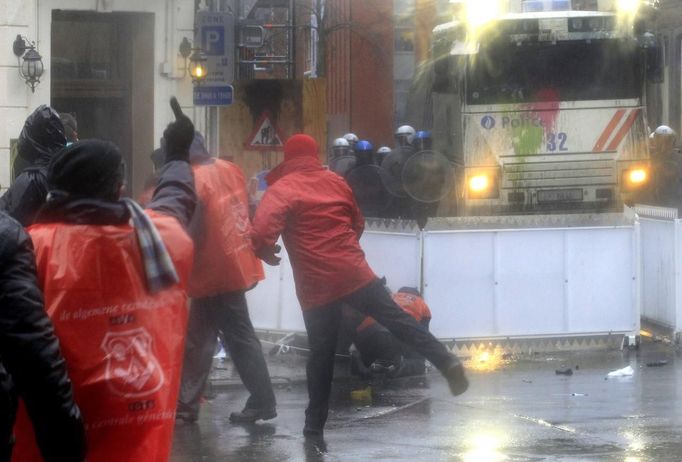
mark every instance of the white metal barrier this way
{"type": "Point", "coordinates": [393, 250]}
{"type": "Point", "coordinates": [528, 279]}
{"type": "Point", "coordinates": [661, 261]}
{"type": "Point", "coordinates": [496, 278]}
{"type": "Point", "coordinates": [272, 303]}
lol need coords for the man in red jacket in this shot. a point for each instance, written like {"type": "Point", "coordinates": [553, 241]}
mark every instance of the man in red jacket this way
{"type": "Point", "coordinates": [224, 269]}
{"type": "Point", "coordinates": [320, 223]}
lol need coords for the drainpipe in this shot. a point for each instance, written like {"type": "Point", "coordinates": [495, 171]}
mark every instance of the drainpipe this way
{"type": "Point", "coordinates": [675, 89]}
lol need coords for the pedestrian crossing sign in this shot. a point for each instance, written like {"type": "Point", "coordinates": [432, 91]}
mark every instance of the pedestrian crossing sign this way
{"type": "Point", "coordinates": [265, 135]}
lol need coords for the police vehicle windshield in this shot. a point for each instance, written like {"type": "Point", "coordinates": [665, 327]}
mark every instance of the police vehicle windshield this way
{"type": "Point", "coordinates": [503, 72]}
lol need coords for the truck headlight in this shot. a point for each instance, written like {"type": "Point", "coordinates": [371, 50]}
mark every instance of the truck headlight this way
{"type": "Point", "coordinates": [628, 6]}
{"type": "Point", "coordinates": [479, 183]}
{"type": "Point", "coordinates": [636, 177]}
{"type": "Point", "coordinates": [481, 12]}
{"type": "Point", "coordinates": [483, 185]}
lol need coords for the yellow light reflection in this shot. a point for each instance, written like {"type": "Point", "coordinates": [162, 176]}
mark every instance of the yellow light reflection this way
{"type": "Point", "coordinates": [627, 11]}
{"type": "Point", "coordinates": [637, 176]}
{"type": "Point", "coordinates": [479, 183]}
{"type": "Point", "coordinates": [635, 442]}
{"type": "Point", "coordinates": [481, 12]}
{"type": "Point", "coordinates": [628, 6]}
{"type": "Point", "coordinates": [486, 360]}
{"type": "Point", "coordinates": [484, 447]}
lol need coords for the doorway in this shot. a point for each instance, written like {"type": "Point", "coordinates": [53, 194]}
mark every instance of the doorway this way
{"type": "Point", "coordinates": [102, 69]}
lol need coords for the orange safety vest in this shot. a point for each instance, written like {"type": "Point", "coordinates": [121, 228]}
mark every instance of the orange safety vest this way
{"type": "Point", "coordinates": [123, 346]}
{"type": "Point", "coordinates": [411, 304]}
{"type": "Point", "coordinates": [224, 260]}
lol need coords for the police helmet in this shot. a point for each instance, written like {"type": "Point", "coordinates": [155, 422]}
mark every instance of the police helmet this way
{"type": "Point", "coordinates": [363, 152]}
{"type": "Point", "coordinates": [363, 146]}
{"type": "Point", "coordinates": [663, 140]}
{"type": "Point", "coordinates": [666, 131]}
{"type": "Point", "coordinates": [381, 154]}
{"type": "Point", "coordinates": [352, 138]}
{"type": "Point", "coordinates": [404, 135]}
{"type": "Point", "coordinates": [341, 147]}
{"type": "Point", "coordinates": [423, 140]}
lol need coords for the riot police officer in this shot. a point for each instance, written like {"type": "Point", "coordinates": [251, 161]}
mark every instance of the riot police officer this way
{"type": "Point", "coordinates": [404, 136]}
{"type": "Point", "coordinates": [341, 147]}
{"type": "Point", "coordinates": [381, 154]}
{"type": "Point", "coordinates": [364, 153]}
{"type": "Point", "coordinates": [666, 168]}
{"type": "Point", "coordinates": [423, 141]}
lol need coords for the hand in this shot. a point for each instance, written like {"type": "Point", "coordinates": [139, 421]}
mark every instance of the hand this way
{"type": "Point", "coordinates": [269, 255]}
{"type": "Point", "coordinates": [178, 135]}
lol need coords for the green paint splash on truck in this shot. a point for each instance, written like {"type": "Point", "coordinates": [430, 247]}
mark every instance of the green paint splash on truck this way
{"type": "Point", "coordinates": [527, 140]}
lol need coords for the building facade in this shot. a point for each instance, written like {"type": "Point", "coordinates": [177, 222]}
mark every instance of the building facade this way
{"type": "Point", "coordinates": [113, 63]}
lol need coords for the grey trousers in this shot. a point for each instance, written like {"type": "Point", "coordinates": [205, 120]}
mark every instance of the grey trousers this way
{"type": "Point", "coordinates": [226, 314]}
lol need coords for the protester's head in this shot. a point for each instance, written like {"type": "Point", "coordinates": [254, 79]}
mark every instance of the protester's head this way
{"type": "Point", "coordinates": [70, 127]}
{"type": "Point", "coordinates": [88, 169]}
{"type": "Point", "coordinates": [42, 135]}
{"type": "Point", "coordinates": [299, 146]}
{"type": "Point", "coordinates": [410, 290]}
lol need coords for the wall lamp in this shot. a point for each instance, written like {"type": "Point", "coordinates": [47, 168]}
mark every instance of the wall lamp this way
{"type": "Point", "coordinates": [31, 67]}
{"type": "Point", "coordinates": [197, 61]}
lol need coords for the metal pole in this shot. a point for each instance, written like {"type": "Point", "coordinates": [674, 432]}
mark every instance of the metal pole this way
{"type": "Point", "coordinates": [292, 41]}
{"type": "Point", "coordinates": [212, 123]}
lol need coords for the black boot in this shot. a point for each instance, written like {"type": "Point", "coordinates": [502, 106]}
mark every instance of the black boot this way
{"type": "Point", "coordinates": [457, 381]}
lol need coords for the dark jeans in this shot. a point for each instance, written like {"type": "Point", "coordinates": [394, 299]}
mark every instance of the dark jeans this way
{"type": "Point", "coordinates": [322, 324]}
{"type": "Point", "coordinates": [376, 343]}
{"type": "Point", "coordinates": [228, 315]}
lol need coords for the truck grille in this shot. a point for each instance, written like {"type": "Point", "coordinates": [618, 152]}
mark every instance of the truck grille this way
{"type": "Point", "coordinates": [558, 174]}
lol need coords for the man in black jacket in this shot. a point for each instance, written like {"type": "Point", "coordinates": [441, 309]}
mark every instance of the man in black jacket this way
{"type": "Point", "coordinates": [41, 137]}
{"type": "Point", "coordinates": [32, 365]}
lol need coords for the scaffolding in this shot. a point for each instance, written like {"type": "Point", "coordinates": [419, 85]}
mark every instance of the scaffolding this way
{"type": "Point", "coordinates": [275, 57]}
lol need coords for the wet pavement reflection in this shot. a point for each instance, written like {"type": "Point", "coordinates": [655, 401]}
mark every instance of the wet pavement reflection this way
{"type": "Point", "coordinates": [520, 410]}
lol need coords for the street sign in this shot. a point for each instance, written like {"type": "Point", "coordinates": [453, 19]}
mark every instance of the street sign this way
{"type": "Point", "coordinates": [213, 96]}
{"type": "Point", "coordinates": [215, 36]}
{"type": "Point", "coordinates": [265, 135]}
{"type": "Point", "coordinates": [251, 35]}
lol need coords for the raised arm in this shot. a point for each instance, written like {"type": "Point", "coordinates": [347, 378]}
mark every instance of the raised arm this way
{"type": "Point", "coordinates": [175, 194]}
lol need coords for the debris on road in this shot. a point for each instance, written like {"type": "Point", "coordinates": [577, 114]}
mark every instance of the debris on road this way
{"type": "Point", "coordinates": [624, 372]}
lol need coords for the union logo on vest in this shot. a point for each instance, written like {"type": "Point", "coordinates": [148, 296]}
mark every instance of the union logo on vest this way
{"type": "Point", "coordinates": [132, 369]}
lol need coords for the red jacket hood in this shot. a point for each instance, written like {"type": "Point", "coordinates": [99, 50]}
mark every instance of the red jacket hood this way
{"type": "Point", "coordinates": [298, 164]}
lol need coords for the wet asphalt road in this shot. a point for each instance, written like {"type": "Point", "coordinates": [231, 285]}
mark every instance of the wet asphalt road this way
{"type": "Point", "coordinates": [518, 411]}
